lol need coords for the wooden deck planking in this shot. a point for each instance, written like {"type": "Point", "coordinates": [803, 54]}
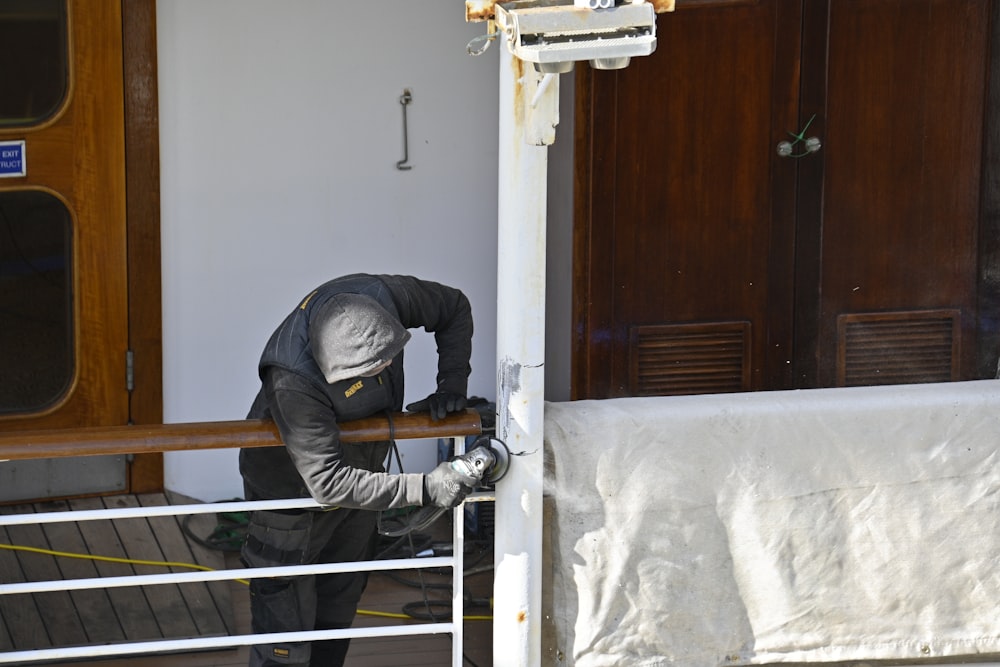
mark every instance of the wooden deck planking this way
{"type": "Point", "coordinates": [22, 622]}
{"type": "Point", "coordinates": [107, 616]}
{"type": "Point", "coordinates": [112, 538]}
{"type": "Point", "coordinates": [56, 611]}
{"type": "Point", "coordinates": [386, 594]}
{"type": "Point", "coordinates": [94, 608]}
{"type": "Point", "coordinates": [382, 594]}
{"type": "Point", "coordinates": [167, 602]}
{"type": "Point", "coordinates": [132, 608]}
{"type": "Point", "coordinates": [208, 616]}
{"type": "Point", "coordinates": [6, 642]}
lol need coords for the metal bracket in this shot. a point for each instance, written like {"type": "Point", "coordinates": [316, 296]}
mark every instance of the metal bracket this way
{"type": "Point", "coordinates": [553, 34]}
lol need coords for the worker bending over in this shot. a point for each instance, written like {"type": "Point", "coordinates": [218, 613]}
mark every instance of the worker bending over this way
{"type": "Point", "coordinates": [338, 356]}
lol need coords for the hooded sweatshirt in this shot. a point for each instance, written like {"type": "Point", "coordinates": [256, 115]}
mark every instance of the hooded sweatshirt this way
{"type": "Point", "coordinates": [316, 371]}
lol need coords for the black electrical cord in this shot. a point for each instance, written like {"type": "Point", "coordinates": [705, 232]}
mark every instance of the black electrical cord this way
{"type": "Point", "coordinates": [425, 602]}
{"type": "Point", "coordinates": [228, 534]}
{"type": "Point", "coordinates": [396, 549]}
{"type": "Point", "coordinates": [423, 587]}
{"type": "Point", "coordinates": [411, 608]}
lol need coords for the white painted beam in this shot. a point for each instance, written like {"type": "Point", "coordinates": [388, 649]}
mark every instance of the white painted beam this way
{"type": "Point", "coordinates": [528, 116]}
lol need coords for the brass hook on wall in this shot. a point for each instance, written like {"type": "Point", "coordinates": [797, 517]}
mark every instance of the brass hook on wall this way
{"type": "Point", "coordinates": [404, 100]}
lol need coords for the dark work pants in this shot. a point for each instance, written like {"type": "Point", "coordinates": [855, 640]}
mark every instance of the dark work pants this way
{"type": "Point", "coordinates": [320, 602]}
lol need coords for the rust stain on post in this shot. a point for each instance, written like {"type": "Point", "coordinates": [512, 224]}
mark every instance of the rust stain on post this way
{"type": "Point", "coordinates": [521, 96]}
{"type": "Point", "coordinates": [478, 10]}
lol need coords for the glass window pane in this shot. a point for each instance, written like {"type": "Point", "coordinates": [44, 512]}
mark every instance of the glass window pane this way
{"type": "Point", "coordinates": [36, 301]}
{"type": "Point", "coordinates": [34, 66]}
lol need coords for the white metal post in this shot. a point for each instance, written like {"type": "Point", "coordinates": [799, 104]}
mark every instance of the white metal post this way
{"type": "Point", "coordinates": [528, 116]}
{"type": "Point", "coordinates": [458, 573]}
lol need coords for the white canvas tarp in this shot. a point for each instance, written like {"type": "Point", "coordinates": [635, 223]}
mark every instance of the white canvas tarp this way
{"type": "Point", "coordinates": [814, 525]}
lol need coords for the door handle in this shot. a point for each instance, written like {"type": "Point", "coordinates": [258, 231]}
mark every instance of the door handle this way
{"type": "Point", "coordinates": [809, 145]}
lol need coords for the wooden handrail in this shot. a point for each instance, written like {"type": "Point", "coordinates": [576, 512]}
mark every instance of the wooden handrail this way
{"type": "Point", "coordinates": [144, 439]}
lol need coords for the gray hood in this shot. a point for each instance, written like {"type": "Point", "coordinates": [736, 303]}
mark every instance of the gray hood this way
{"type": "Point", "coordinates": [351, 335]}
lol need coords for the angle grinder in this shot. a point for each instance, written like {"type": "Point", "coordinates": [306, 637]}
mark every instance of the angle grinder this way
{"type": "Point", "coordinates": [487, 460]}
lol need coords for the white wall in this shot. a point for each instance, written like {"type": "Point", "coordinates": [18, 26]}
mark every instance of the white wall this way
{"type": "Point", "coordinates": [280, 128]}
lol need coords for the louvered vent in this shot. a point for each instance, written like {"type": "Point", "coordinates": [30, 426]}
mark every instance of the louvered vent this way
{"type": "Point", "coordinates": [898, 348]}
{"type": "Point", "coordinates": [673, 359]}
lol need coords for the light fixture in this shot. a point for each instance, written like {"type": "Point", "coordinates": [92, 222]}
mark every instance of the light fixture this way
{"type": "Point", "coordinates": [554, 34]}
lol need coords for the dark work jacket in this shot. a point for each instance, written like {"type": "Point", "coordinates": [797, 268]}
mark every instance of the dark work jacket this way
{"type": "Point", "coordinates": [306, 409]}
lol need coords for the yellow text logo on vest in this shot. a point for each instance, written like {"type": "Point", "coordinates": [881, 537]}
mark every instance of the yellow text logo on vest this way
{"type": "Point", "coordinates": [354, 388]}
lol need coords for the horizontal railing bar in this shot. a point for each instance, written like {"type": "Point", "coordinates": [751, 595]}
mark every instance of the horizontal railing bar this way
{"type": "Point", "coordinates": [207, 643]}
{"type": "Point", "coordinates": [170, 510]}
{"type": "Point", "coordinates": [153, 438]}
{"type": "Point", "coordinates": [156, 510]}
{"type": "Point", "coordinates": [221, 435]}
{"type": "Point", "coordinates": [221, 575]}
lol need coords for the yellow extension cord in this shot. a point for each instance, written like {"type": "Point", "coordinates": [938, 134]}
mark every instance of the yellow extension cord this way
{"type": "Point", "coordinates": [191, 566]}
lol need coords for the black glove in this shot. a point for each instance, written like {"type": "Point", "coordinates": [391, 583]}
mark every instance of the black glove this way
{"type": "Point", "coordinates": [439, 404]}
{"type": "Point", "coordinates": [446, 487]}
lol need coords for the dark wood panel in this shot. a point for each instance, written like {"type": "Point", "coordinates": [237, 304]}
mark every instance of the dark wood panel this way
{"type": "Point", "coordinates": [673, 359]}
{"type": "Point", "coordinates": [678, 220]}
{"type": "Point", "coordinates": [898, 347]}
{"type": "Point", "coordinates": [807, 250]}
{"type": "Point", "coordinates": [684, 215]}
{"type": "Point", "coordinates": [988, 325]}
{"type": "Point", "coordinates": [906, 98]}
{"type": "Point", "coordinates": [593, 233]}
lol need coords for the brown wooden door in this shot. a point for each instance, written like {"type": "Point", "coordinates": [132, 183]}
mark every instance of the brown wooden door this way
{"type": "Point", "coordinates": [84, 76]}
{"type": "Point", "coordinates": [707, 262]}
{"type": "Point", "coordinates": [77, 156]}
{"type": "Point", "coordinates": [888, 233]}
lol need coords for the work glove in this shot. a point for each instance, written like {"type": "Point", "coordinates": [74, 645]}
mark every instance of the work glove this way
{"type": "Point", "coordinates": [446, 487]}
{"type": "Point", "coordinates": [439, 404]}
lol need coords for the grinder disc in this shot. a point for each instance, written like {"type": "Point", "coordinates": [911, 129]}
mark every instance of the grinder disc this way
{"type": "Point", "coordinates": [501, 457]}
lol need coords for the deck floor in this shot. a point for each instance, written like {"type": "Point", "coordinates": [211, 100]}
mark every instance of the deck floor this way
{"type": "Point", "coordinates": [219, 608]}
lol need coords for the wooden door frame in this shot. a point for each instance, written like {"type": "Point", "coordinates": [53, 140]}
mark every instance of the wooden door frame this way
{"type": "Point", "coordinates": [142, 206]}
{"type": "Point", "coordinates": [988, 296]}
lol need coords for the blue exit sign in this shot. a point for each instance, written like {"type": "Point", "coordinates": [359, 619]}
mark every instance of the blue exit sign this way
{"type": "Point", "coordinates": [12, 159]}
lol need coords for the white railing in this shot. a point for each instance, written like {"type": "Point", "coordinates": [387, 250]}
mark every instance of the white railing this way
{"type": "Point", "coordinates": [455, 562]}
